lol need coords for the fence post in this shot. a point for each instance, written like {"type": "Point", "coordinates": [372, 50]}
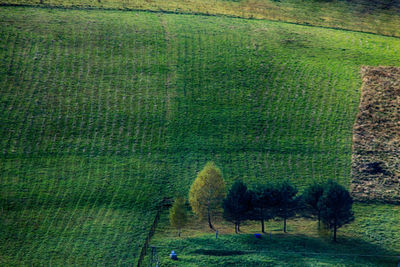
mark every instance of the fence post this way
{"type": "Point", "coordinates": [154, 262]}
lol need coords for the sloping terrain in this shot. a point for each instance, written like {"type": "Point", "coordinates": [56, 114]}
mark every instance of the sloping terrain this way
{"type": "Point", "coordinates": [375, 16]}
{"type": "Point", "coordinates": [376, 148]}
{"type": "Point", "coordinates": [105, 113]}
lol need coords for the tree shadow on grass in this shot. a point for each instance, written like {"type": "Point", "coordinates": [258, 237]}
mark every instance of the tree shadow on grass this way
{"type": "Point", "coordinates": [279, 249]}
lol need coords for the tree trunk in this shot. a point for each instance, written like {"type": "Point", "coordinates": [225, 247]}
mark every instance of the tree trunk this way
{"type": "Point", "coordinates": [209, 220]}
{"type": "Point", "coordinates": [262, 226]}
{"type": "Point", "coordinates": [236, 228]}
{"type": "Point", "coordinates": [319, 220]}
{"type": "Point", "coordinates": [334, 233]}
{"type": "Point", "coordinates": [284, 225]}
{"type": "Point", "coordinates": [179, 232]}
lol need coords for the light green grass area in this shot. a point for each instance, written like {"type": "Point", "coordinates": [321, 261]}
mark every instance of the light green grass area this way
{"type": "Point", "coordinates": [375, 16]}
{"type": "Point", "coordinates": [371, 240]}
{"type": "Point", "coordinates": [105, 113]}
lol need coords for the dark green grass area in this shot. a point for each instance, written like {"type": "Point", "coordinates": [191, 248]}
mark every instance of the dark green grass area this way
{"type": "Point", "coordinates": [105, 113]}
{"type": "Point", "coordinates": [277, 250]}
{"type": "Point", "coordinates": [371, 240]}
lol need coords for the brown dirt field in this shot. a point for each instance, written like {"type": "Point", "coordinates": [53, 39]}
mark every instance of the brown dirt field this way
{"type": "Point", "coordinates": [376, 137]}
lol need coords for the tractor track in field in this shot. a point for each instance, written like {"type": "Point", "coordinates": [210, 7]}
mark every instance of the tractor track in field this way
{"type": "Point", "coordinates": [170, 80]}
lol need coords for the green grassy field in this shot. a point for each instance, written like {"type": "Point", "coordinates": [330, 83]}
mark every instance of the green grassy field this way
{"type": "Point", "coordinates": [105, 113]}
{"type": "Point", "coordinates": [375, 16]}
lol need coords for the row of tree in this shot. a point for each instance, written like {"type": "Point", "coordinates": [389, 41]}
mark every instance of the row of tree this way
{"type": "Point", "coordinates": [263, 203]}
{"type": "Point", "coordinates": [329, 202]}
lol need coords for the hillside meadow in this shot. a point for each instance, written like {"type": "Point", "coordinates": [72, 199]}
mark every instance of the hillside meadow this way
{"type": "Point", "coordinates": [105, 113]}
{"type": "Point", "coordinates": [374, 16]}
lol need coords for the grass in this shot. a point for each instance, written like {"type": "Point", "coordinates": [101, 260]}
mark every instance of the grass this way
{"type": "Point", "coordinates": [75, 211]}
{"type": "Point", "coordinates": [369, 241]}
{"type": "Point", "coordinates": [105, 113]}
{"type": "Point", "coordinates": [381, 17]}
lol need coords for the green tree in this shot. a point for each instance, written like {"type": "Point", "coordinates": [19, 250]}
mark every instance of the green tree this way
{"type": "Point", "coordinates": [286, 201]}
{"type": "Point", "coordinates": [207, 192]}
{"type": "Point", "coordinates": [177, 214]}
{"type": "Point", "coordinates": [311, 197]}
{"type": "Point", "coordinates": [262, 204]}
{"type": "Point", "coordinates": [336, 207]}
{"type": "Point", "coordinates": [236, 204]}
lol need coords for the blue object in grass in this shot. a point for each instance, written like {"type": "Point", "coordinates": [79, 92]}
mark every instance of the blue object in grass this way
{"type": "Point", "coordinates": [257, 235]}
{"type": "Point", "coordinates": [173, 256]}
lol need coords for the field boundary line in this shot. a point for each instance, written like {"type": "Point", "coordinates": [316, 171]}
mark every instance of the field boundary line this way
{"type": "Point", "coordinates": [166, 202]}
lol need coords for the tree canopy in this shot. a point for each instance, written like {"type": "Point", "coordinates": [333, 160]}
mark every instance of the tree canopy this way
{"type": "Point", "coordinates": [336, 207]}
{"type": "Point", "coordinates": [236, 204]}
{"type": "Point", "coordinates": [311, 197]}
{"type": "Point", "coordinates": [286, 201]}
{"type": "Point", "coordinates": [177, 214]}
{"type": "Point", "coordinates": [207, 192]}
{"type": "Point", "coordinates": [262, 204]}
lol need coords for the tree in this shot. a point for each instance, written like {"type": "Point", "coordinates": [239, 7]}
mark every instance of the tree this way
{"type": "Point", "coordinates": [207, 192]}
{"type": "Point", "coordinates": [311, 197]}
{"type": "Point", "coordinates": [236, 204]}
{"type": "Point", "coordinates": [262, 204]}
{"type": "Point", "coordinates": [286, 202]}
{"type": "Point", "coordinates": [335, 205]}
{"type": "Point", "coordinates": [177, 214]}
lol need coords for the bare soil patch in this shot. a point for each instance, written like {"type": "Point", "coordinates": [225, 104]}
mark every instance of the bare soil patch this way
{"type": "Point", "coordinates": [376, 137]}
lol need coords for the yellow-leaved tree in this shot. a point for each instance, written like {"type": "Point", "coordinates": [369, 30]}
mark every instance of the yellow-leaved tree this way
{"type": "Point", "coordinates": [207, 192]}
